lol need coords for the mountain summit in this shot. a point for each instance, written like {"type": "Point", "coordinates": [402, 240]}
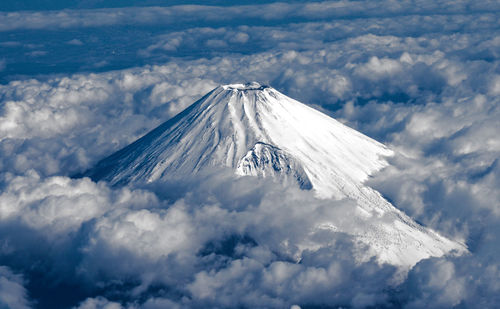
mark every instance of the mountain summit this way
{"type": "Point", "coordinates": [258, 131]}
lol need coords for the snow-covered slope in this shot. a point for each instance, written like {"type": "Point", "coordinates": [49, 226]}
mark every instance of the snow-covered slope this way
{"type": "Point", "coordinates": [225, 125]}
{"type": "Point", "coordinates": [258, 131]}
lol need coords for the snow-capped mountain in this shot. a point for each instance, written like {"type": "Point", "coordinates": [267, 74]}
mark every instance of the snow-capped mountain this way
{"type": "Point", "coordinates": [258, 131]}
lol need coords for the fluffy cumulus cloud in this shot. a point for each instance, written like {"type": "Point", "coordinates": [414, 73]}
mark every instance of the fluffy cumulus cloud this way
{"type": "Point", "coordinates": [208, 248]}
{"type": "Point", "coordinates": [13, 294]}
{"type": "Point", "coordinates": [421, 76]}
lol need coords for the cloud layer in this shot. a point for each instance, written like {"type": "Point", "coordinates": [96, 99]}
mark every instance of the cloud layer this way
{"type": "Point", "coordinates": [420, 76]}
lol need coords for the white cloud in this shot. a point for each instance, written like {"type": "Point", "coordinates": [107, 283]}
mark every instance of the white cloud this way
{"type": "Point", "coordinates": [99, 303]}
{"type": "Point", "coordinates": [265, 12]}
{"type": "Point", "coordinates": [75, 42]}
{"type": "Point", "coordinates": [105, 231]}
{"type": "Point", "coordinates": [12, 292]}
{"type": "Point", "coordinates": [438, 286]}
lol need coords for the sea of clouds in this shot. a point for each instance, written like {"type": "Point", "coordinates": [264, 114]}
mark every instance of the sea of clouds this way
{"type": "Point", "coordinates": [422, 77]}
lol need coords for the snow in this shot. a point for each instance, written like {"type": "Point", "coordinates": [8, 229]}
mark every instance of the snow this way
{"type": "Point", "coordinates": [258, 131]}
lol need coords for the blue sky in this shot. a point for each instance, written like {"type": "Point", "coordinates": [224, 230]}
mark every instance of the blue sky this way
{"type": "Point", "coordinates": [79, 80]}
